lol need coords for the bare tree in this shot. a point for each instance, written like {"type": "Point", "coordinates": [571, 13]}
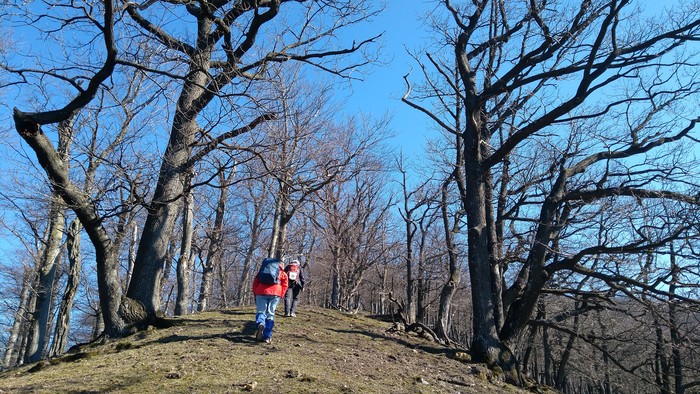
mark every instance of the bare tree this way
{"type": "Point", "coordinates": [587, 94]}
{"type": "Point", "coordinates": [222, 64]}
{"type": "Point", "coordinates": [215, 240]}
{"type": "Point", "coordinates": [414, 203]}
{"type": "Point", "coordinates": [353, 221]}
{"type": "Point", "coordinates": [256, 204]}
{"type": "Point", "coordinates": [14, 341]}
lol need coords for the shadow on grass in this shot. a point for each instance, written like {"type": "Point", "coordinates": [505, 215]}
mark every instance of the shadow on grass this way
{"type": "Point", "coordinates": [250, 312]}
{"type": "Point", "coordinates": [429, 347]}
{"type": "Point", "coordinates": [245, 335]}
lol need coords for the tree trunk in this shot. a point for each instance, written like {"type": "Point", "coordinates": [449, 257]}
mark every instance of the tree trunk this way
{"type": "Point", "coordinates": [546, 348]}
{"type": "Point", "coordinates": [560, 379]}
{"type": "Point", "coordinates": [45, 280]}
{"type": "Point", "coordinates": [184, 262]}
{"type": "Point", "coordinates": [529, 346]}
{"type": "Point", "coordinates": [606, 384]}
{"type": "Point", "coordinates": [662, 368]}
{"type": "Point", "coordinates": [163, 211]}
{"type": "Point", "coordinates": [205, 284]}
{"type": "Point", "coordinates": [167, 268]}
{"type": "Point", "coordinates": [410, 304]}
{"type": "Point", "coordinates": [455, 276]}
{"type": "Point", "coordinates": [676, 341]}
{"type": "Point", "coordinates": [215, 244]}
{"type": "Point", "coordinates": [105, 253]}
{"type": "Point", "coordinates": [20, 319]}
{"type": "Point", "coordinates": [132, 253]}
{"type": "Point", "coordinates": [421, 298]}
{"type": "Point", "coordinates": [279, 224]}
{"type": "Point", "coordinates": [223, 285]}
{"type": "Point", "coordinates": [25, 329]}
{"type": "Point", "coordinates": [60, 338]}
{"type": "Point", "coordinates": [99, 325]}
{"type": "Point", "coordinates": [486, 345]}
{"type": "Point", "coordinates": [335, 279]}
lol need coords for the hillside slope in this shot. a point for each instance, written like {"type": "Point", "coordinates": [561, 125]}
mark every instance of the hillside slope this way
{"type": "Point", "coordinates": [320, 351]}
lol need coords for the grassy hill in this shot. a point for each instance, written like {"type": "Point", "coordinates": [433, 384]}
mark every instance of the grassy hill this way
{"type": "Point", "coordinates": [319, 351]}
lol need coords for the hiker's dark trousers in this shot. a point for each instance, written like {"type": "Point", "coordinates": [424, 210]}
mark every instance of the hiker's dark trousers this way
{"type": "Point", "coordinates": [291, 300]}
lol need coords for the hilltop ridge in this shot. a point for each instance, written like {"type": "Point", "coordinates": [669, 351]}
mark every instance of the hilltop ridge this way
{"type": "Point", "coordinates": [320, 351]}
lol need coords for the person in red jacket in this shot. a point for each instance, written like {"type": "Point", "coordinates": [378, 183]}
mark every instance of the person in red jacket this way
{"type": "Point", "coordinates": [267, 296]}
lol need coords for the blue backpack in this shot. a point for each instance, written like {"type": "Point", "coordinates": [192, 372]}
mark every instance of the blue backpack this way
{"type": "Point", "coordinates": [269, 271]}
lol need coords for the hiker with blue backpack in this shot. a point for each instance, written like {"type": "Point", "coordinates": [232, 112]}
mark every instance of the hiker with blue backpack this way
{"type": "Point", "coordinates": [269, 285]}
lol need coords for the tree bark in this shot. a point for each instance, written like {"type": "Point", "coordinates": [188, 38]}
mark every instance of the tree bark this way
{"type": "Point", "coordinates": [163, 210]}
{"type": "Point", "coordinates": [184, 262]}
{"type": "Point", "coordinates": [60, 338]}
{"type": "Point", "coordinates": [486, 345]}
{"type": "Point", "coordinates": [44, 283]}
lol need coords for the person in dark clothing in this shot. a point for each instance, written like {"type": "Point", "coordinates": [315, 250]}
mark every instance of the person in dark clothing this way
{"type": "Point", "coordinates": [296, 285]}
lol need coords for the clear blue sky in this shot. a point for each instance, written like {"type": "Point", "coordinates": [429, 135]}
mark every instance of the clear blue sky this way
{"type": "Point", "coordinates": [381, 91]}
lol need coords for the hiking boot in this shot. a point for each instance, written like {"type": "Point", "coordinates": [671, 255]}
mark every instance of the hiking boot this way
{"type": "Point", "coordinates": [259, 332]}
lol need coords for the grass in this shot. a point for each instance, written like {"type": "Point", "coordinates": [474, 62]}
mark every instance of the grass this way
{"type": "Point", "coordinates": [319, 351]}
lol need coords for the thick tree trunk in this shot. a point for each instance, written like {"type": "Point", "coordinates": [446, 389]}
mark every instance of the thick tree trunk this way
{"type": "Point", "coordinates": [60, 338]}
{"type": "Point", "coordinates": [486, 345]}
{"type": "Point", "coordinates": [163, 210]}
{"type": "Point", "coordinates": [159, 225]}
{"type": "Point", "coordinates": [10, 358]}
